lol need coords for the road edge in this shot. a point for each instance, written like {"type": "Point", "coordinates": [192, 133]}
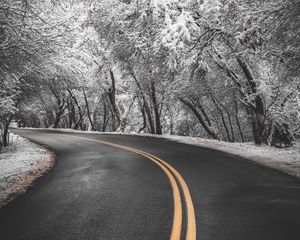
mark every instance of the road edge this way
{"type": "Point", "coordinates": [261, 160]}
{"type": "Point", "coordinates": [23, 183]}
{"type": "Point", "coordinates": [255, 159]}
{"type": "Point", "coordinates": [209, 144]}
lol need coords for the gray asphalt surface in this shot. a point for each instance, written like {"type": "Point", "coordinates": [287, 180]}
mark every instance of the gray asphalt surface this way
{"type": "Point", "coordinates": [101, 192]}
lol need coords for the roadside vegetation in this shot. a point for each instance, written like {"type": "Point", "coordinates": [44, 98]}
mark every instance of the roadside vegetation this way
{"type": "Point", "coordinates": [219, 69]}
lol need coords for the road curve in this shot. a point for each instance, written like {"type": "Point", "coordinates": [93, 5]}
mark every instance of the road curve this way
{"type": "Point", "coordinates": [133, 187]}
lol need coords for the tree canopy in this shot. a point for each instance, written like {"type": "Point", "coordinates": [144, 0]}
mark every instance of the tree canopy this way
{"type": "Point", "coordinates": [221, 69]}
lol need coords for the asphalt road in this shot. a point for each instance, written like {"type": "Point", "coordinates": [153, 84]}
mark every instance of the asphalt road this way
{"type": "Point", "coordinates": [100, 191]}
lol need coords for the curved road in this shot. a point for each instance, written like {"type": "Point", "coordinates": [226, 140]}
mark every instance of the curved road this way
{"type": "Point", "coordinates": [116, 187]}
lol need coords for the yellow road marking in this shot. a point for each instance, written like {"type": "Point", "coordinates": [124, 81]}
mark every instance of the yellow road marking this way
{"type": "Point", "coordinates": [177, 215]}
{"type": "Point", "coordinates": [191, 219]}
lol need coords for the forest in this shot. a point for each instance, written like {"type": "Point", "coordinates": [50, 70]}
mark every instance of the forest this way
{"type": "Point", "coordinates": [219, 69]}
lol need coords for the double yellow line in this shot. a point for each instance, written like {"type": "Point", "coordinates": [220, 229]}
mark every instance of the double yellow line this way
{"type": "Point", "coordinates": [172, 174]}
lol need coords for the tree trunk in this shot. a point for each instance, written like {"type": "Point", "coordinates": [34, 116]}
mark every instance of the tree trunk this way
{"type": "Point", "coordinates": [5, 137]}
{"type": "Point", "coordinates": [258, 121]}
{"type": "Point", "coordinates": [156, 109]}
{"type": "Point", "coordinates": [144, 117]}
{"type": "Point", "coordinates": [124, 118]}
{"type": "Point", "coordinates": [59, 112]}
{"type": "Point", "coordinates": [207, 128]}
{"type": "Point", "coordinates": [105, 117]}
{"type": "Point", "coordinates": [258, 127]}
{"type": "Point", "coordinates": [237, 120]}
{"type": "Point", "coordinates": [112, 98]}
{"type": "Point", "coordinates": [171, 120]}
{"type": "Point", "coordinates": [222, 117]}
{"type": "Point", "coordinates": [71, 110]}
{"type": "Point", "coordinates": [145, 103]}
{"type": "Point", "coordinates": [88, 111]}
{"type": "Point", "coordinates": [149, 116]}
{"type": "Point", "coordinates": [228, 117]}
{"type": "Point", "coordinates": [79, 121]}
{"type": "Point", "coordinates": [204, 114]}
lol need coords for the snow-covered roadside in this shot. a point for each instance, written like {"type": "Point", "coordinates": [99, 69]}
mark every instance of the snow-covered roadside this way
{"type": "Point", "coordinates": [20, 164]}
{"type": "Point", "coordinates": [285, 159]}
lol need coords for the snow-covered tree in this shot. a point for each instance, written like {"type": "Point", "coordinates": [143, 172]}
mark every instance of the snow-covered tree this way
{"type": "Point", "coordinates": [219, 69]}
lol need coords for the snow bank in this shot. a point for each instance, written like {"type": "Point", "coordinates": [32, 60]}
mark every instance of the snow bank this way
{"type": "Point", "coordinates": [20, 164]}
{"type": "Point", "coordinates": [283, 159]}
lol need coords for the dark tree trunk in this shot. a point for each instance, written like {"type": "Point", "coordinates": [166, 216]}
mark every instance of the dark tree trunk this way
{"type": "Point", "coordinates": [156, 109]}
{"type": "Point", "coordinates": [258, 124]}
{"type": "Point", "coordinates": [204, 114]}
{"type": "Point", "coordinates": [79, 121]}
{"type": "Point", "coordinates": [59, 112]}
{"type": "Point", "coordinates": [258, 121]}
{"type": "Point", "coordinates": [145, 103]}
{"type": "Point", "coordinates": [222, 117]}
{"type": "Point", "coordinates": [238, 121]}
{"type": "Point", "coordinates": [144, 117]}
{"type": "Point", "coordinates": [71, 110]}
{"type": "Point", "coordinates": [5, 137]}
{"type": "Point", "coordinates": [149, 116]}
{"type": "Point", "coordinates": [112, 98]}
{"type": "Point", "coordinates": [88, 111]}
{"type": "Point", "coordinates": [105, 117]}
{"type": "Point", "coordinates": [228, 117]}
{"type": "Point", "coordinates": [207, 128]}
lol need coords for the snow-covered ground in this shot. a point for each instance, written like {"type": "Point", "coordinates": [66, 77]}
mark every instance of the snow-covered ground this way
{"type": "Point", "coordinates": [284, 159]}
{"type": "Point", "coordinates": [20, 164]}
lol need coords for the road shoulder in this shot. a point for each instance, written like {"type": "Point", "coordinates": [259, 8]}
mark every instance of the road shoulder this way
{"type": "Point", "coordinates": [286, 160]}
{"type": "Point", "coordinates": [21, 164]}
